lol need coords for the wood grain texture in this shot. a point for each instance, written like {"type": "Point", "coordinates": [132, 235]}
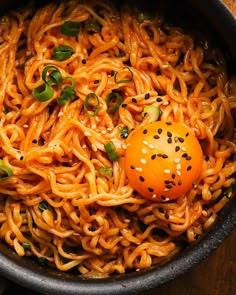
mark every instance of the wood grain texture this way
{"type": "Point", "coordinates": [216, 275]}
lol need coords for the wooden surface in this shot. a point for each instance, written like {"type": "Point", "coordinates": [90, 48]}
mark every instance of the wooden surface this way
{"type": "Point", "coordinates": [214, 276]}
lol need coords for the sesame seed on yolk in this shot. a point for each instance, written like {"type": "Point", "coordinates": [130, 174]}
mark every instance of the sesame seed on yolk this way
{"type": "Point", "coordinates": [168, 168]}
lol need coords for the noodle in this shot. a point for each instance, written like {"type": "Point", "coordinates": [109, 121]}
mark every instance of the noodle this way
{"type": "Point", "coordinates": [56, 206]}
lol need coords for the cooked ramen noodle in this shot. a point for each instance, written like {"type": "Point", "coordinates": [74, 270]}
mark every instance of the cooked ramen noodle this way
{"type": "Point", "coordinates": [116, 134]}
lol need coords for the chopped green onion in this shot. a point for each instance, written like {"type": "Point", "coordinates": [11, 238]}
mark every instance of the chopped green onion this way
{"type": "Point", "coordinates": [67, 93]}
{"type": "Point", "coordinates": [72, 80]}
{"type": "Point", "coordinates": [43, 206]}
{"type": "Point", "coordinates": [153, 111]}
{"type": "Point", "coordinates": [6, 110]}
{"type": "Point", "coordinates": [71, 28]}
{"type": "Point", "coordinates": [105, 171]}
{"type": "Point", "coordinates": [5, 172]}
{"type": "Point", "coordinates": [92, 26]}
{"type": "Point", "coordinates": [144, 16]}
{"type": "Point", "coordinates": [26, 246]}
{"type": "Point", "coordinates": [111, 151]}
{"type": "Point", "coordinates": [63, 52]}
{"type": "Point", "coordinates": [118, 99]}
{"type": "Point", "coordinates": [55, 75]}
{"type": "Point", "coordinates": [124, 132]}
{"type": "Point", "coordinates": [125, 80]}
{"type": "Point", "coordinates": [91, 104]}
{"type": "Point", "coordinates": [43, 92]}
{"type": "Point", "coordinates": [229, 191]}
{"type": "Point", "coordinates": [43, 261]}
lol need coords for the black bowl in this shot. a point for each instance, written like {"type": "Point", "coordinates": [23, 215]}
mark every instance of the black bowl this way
{"type": "Point", "coordinates": [213, 15]}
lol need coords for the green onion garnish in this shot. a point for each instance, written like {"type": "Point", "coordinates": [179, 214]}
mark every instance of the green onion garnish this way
{"type": "Point", "coordinates": [153, 111]}
{"type": "Point", "coordinates": [67, 93]}
{"type": "Point", "coordinates": [111, 151]}
{"type": "Point", "coordinates": [55, 75]}
{"type": "Point", "coordinates": [124, 132]}
{"type": "Point", "coordinates": [6, 110]}
{"type": "Point", "coordinates": [92, 26]}
{"type": "Point", "coordinates": [118, 99]}
{"type": "Point", "coordinates": [43, 206]}
{"type": "Point", "coordinates": [105, 171]}
{"type": "Point", "coordinates": [43, 92]}
{"type": "Point", "coordinates": [125, 80]}
{"type": "Point", "coordinates": [229, 191]}
{"type": "Point", "coordinates": [5, 172]}
{"type": "Point", "coordinates": [43, 261]}
{"type": "Point", "coordinates": [71, 28]}
{"type": "Point", "coordinates": [26, 246]}
{"type": "Point", "coordinates": [91, 104]}
{"type": "Point", "coordinates": [63, 52]}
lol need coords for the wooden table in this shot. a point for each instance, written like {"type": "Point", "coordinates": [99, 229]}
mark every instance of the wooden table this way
{"type": "Point", "coordinates": [214, 276]}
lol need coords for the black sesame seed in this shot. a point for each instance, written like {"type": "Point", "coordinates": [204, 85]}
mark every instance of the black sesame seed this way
{"type": "Point", "coordinates": [153, 157]}
{"type": "Point", "coordinates": [169, 140]}
{"type": "Point", "coordinates": [189, 168]}
{"type": "Point", "coordinates": [187, 134]}
{"type": "Point", "coordinates": [158, 99]}
{"type": "Point", "coordinates": [145, 131]}
{"type": "Point", "coordinates": [167, 181]}
{"type": "Point", "coordinates": [134, 100]}
{"type": "Point", "coordinates": [168, 123]}
{"type": "Point", "coordinates": [21, 158]}
{"type": "Point", "coordinates": [166, 215]}
{"type": "Point", "coordinates": [112, 72]}
{"type": "Point", "coordinates": [169, 134]}
{"type": "Point", "coordinates": [163, 198]}
{"type": "Point", "coordinates": [169, 186]}
{"type": "Point", "coordinates": [96, 81]}
{"type": "Point", "coordinates": [188, 158]}
{"type": "Point", "coordinates": [83, 61]}
{"type": "Point", "coordinates": [161, 210]}
{"type": "Point", "coordinates": [181, 139]}
{"type": "Point", "coordinates": [141, 178]}
{"type": "Point", "coordinates": [132, 167]}
{"type": "Point", "coordinates": [173, 176]}
{"type": "Point", "coordinates": [34, 141]}
{"type": "Point", "coordinates": [177, 148]}
{"type": "Point", "coordinates": [184, 155]}
{"type": "Point", "coordinates": [159, 155]}
{"type": "Point", "coordinates": [150, 190]}
{"type": "Point", "coordinates": [164, 156]}
{"type": "Point", "coordinates": [207, 158]}
{"type": "Point", "coordinates": [147, 96]}
{"type": "Point", "coordinates": [124, 105]}
{"type": "Point", "coordinates": [156, 136]}
{"type": "Point", "coordinates": [159, 131]}
{"type": "Point", "coordinates": [179, 182]}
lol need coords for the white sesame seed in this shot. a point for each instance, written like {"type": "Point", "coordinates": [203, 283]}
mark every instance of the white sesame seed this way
{"type": "Point", "coordinates": [25, 126]}
{"type": "Point", "coordinates": [178, 166]}
{"type": "Point", "coordinates": [127, 220]}
{"type": "Point", "coordinates": [154, 196]}
{"type": "Point", "coordinates": [86, 133]}
{"type": "Point", "coordinates": [94, 126]}
{"type": "Point", "coordinates": [60, 114]}
{"type": "Point", "coordinates": [178, 173]}
{"type": "Point", "coordinates": [109, 129]}
{"type": "Point", "coordinates": [144, 151]}
{"type": "Point", "coordinates": [165, 103]}
{"type": "Point", "coordinates": [84, 146]}
{"type": "Point", "coordinates": [139, 169]}
{"type": "Point", "coordinates": [143, 161]}
{"type": "Point", "coordinates": [183, 149]}
{"type": "Point", "coordinates": [167, 171]}
{"type": "Point", "coordinates": [177, 160]}
{"type": "Point", "coordinates": [94, 147]}
{"type": "Point", "coordinates": [103, 131]}
{"type": "Point", "coordinates": [151, 146]}
{"type": "Point", "coordinates": [145, 142]}
{"type": "Point", "coordinates": [164, 66]}
{"type": "Point", "coordinates": [166, 189]}
{"type": "Point", "coordinates": [124, 146]}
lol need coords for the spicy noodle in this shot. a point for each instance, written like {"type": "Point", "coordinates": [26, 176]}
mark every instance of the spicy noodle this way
{"type": "Point", "coordinates": [77, 80]}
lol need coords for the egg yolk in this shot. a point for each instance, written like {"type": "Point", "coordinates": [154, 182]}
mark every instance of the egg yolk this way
{"type": "Point", "coordinates": [163, 160]}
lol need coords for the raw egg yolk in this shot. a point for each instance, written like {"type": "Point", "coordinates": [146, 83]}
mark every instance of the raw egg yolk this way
{"type": "Point", "coordinates": [163, 160]}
